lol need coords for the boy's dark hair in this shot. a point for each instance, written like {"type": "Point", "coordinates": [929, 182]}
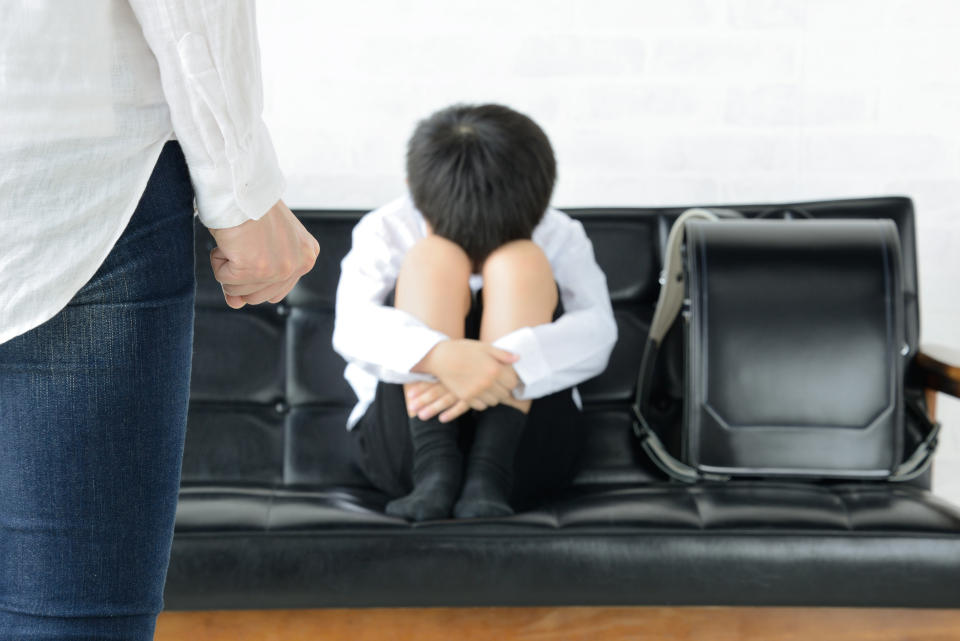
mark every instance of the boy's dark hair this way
{"type": "Point", "coordinates": [481, 175]}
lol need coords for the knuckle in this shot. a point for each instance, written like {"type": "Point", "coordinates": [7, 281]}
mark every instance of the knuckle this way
{"type": "Point", "coordinates": [310, 246]}
{"type": "Point", "coordinates": [261, 267]}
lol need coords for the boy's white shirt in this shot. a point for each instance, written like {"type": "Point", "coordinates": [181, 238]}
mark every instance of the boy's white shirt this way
{"type": "Point", "coordinates": [380, 342]}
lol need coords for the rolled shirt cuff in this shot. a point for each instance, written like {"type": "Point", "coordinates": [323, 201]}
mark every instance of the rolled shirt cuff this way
{"type": "Point", "coordinates": [417, 343]}
{"type": "Point", "coordinates": [532, 367]}
{"type": "Point", "coordinates": [241, 188]}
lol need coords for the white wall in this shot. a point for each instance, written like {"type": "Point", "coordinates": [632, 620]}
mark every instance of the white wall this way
{"type": "Point", "coordinates": [647, 102]}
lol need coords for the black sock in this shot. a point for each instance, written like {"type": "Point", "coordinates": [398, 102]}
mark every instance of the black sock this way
{"type": "Point", "coordinates": [437, 465]}
{"type": "Point", "coordinates": [489, 477]}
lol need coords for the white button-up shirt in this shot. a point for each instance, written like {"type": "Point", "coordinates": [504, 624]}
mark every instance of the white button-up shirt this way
{"type": "Point", "coordinates": [89, 93]}
{"type": "Point", "coordinates": [383, 343]}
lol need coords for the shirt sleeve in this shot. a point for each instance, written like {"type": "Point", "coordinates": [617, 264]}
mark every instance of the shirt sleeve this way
{"type": "Point", "coordinates": [383, 340]}
{"type": "Point", "coordinates": [209, 62]}
{"type": "Point", "coordinates": [576, 346]}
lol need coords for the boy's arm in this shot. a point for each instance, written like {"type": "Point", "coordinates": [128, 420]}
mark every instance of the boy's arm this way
{"type": "Point", "coordinates": [576, 346]}
{"type": "Point", "coordinates": [383, 340]}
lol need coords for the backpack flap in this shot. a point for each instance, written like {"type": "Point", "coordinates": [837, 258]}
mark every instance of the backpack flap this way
{"type": "Point", "coordinates": [795, 342]}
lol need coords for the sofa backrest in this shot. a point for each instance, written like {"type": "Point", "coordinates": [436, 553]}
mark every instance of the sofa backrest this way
{"type": "Point", "coordinates": [269, 404]}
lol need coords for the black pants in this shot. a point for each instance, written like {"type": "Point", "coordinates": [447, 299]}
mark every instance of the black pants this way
{"type": "Point", "coordinates": [547, 456]}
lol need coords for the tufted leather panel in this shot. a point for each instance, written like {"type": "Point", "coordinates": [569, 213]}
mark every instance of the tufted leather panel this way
{"type": "Point", "coordinates": [272, 513]}
{"type": "Point", "coordinates": [287, 364]}
{"type": "Point", "coordinates": [746, 543]}
{"type": "Point", "coordinates": [763, 505]}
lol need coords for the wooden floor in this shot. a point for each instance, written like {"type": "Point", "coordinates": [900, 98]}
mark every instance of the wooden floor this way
{"type": "Point", "coordinates": [567, 624]}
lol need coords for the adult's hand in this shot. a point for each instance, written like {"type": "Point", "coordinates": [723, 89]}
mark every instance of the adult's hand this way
{"type": "Point", "coordinates": [261, 260]}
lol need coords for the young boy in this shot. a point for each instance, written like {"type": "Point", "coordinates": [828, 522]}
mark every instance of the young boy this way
{"type": "Point", "coordinates": [439, 366]}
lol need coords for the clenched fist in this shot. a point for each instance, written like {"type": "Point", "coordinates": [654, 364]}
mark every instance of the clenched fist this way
{"type": "Point", "coordinates": [261, 260]}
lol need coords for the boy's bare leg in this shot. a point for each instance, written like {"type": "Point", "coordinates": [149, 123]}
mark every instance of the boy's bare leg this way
{"type": "Point", "coordinates": [518, 291]}
{"type": "Point", "coordinates": [433, 285]}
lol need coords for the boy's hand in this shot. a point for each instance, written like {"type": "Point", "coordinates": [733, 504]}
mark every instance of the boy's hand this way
{"type": "Point", "coordinates": [426, 399]}
{"type": "Point", "coordinates": [476, 373]}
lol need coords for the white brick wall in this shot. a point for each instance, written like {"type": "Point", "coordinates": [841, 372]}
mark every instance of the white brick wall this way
{"type": "Point", "coordinates": [647, 102]}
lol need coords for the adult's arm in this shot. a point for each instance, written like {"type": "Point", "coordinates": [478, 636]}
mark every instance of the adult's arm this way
{"type": "Point", "coordinates": [209, 63]}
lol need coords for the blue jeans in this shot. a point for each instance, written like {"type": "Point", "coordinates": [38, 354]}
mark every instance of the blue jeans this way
{"type": "Point", "coordinates": [93, 408]}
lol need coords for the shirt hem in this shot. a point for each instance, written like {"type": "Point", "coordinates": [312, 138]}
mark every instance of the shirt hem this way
{"type": "Point", "coordinates": [124, 220]}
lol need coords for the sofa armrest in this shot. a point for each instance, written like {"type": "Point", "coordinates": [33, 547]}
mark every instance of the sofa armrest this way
{"type": "Point", "coordinates": [937, 368]}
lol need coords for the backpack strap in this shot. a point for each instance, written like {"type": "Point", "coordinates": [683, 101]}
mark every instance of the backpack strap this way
{"type": "Point", "coordinates": [669, 303]}
{"type": "Point", "coordinates": [918, 462]}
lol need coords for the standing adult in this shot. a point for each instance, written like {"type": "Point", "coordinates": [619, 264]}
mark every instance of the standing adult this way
{"type": "Point", "coordinates": [116, 116]}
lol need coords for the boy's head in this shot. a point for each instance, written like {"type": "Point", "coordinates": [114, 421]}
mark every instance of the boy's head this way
{"type": "Point", "coordinates": [481, 175]}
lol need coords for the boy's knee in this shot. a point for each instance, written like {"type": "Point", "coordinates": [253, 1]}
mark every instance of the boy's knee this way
{"type": "Point", "coordinates": [519, 289]}
{"type": "Point", "coordinates": [434, 267]}
{"type": "Point", "coordinates": [520, 262]}
{"type": "Point", "coordinates": [435, 254]}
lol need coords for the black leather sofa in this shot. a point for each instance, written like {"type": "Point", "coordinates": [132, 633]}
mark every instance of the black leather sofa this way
{"type": "Point", "coordinates": [273, 515]}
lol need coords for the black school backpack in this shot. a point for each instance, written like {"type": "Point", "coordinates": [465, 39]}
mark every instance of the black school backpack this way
{"type": "Point", "coordinates": [777, 349]}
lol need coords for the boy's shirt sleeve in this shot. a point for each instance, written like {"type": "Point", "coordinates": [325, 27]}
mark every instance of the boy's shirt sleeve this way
{"type": "Point", "coordinates": [576, 346]}
{"type": "Point", "coordinates": [383, 340]}
{"type": "Point", "coordinates": [209, 62]}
